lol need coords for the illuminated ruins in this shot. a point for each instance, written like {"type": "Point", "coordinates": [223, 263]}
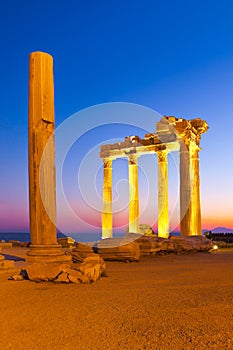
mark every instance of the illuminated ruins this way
{"type": "Point", "coordinates": [172, 134]}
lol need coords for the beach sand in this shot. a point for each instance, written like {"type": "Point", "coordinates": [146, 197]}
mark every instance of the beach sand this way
{"type": "Point", "coordinates": [162, 302]}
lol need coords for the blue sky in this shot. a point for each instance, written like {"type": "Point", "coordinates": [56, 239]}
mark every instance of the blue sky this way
{"type": "Point", "coordinates": [175, 57]}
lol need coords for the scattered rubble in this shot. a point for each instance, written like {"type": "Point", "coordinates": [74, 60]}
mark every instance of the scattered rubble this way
{"type": "Point", "coordinates": [90, 270]}
{"type": "Point", "coordinates": [178, 245]}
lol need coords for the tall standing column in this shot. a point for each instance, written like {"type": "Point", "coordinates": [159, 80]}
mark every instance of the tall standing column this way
{"type": "Point", "coordinates": [133, 194]}
{"type": "Point", "coordinates": [107, 200]}
{"type": "Point", "coordinates": [44, 246]}
{"type": "Point", "coordinates": [195, 218]}
{"type": "Point", "coordinates": [163, 216]}
{"type": "Point", "coordinates": [185, 190]}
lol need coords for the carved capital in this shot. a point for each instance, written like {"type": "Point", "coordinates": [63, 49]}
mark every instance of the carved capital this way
{"type": "Point", "coordinates": [162, 156]}
{"type": "Point", "coordinates": [133, 159]}
{"type": "Point", "coordinates": [107, 163]}
{"type": "Point", "coordinates": [200, 125]}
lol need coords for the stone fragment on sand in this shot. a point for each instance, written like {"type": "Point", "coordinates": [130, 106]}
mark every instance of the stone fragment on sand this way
{"type": "Point", "coordinates": [4, 244]}
{"type": "Point", "coordinates": [180, 244]}
{"type": "Point", "coordinates": [114, 249]}
{"type": "Point", "coordinates": [6, 264]}
{"type": "Point", "coordinates": [81, 251]}
{"type": "Point", "coordinates": [93, 267]}
{"type": "Point", "coordinates": [62, 278]}
{"type": "Point", "coordinates": [75, 276]}
{"type": "Point", "coordinates": [14, 242]}
{"type": "Point", "coordinates": [66, 242]}
{"type": "Point", "coordinates": [16, 278]}
{"type": "Point", "coordinates": [43, 272]}
{"type": "Point", "coordinates": [90, 270]}
{"type": "Point", "coordinates": [192, 243]}
{"type": "Point", "coordinates": [149, 245]}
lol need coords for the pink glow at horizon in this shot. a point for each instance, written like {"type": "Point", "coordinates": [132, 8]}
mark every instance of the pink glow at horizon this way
{"type": "Point", "coordinates": [92, 220]}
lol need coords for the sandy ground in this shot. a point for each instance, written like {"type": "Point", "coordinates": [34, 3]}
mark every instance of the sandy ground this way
{"type": "Point", "coordinates": [164, 302]}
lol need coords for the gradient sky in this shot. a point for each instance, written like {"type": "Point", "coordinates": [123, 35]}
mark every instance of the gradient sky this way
{"type": "Point", "coordinates": [174, 57]}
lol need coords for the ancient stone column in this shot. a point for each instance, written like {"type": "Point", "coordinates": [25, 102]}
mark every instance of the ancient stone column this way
{"type": "Point", "coordinates": [133, 194]}
{"type": "Point", "coordinates": [195, 217]}
{"type": "Point", "coordinates": [163, 216]}
{"type": "Point", "coordinates": [185, 190]}
{"type": "Point", "coordinates": [44, 246]}
{"type": "Point", "coordinates": [107, 200]}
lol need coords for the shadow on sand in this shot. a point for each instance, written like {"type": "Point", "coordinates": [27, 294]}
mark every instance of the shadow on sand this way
{"type": "Point", "coordinates": [12, 257]}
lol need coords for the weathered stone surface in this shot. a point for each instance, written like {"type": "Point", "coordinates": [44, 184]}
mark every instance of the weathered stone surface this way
{"type": "Point", "coordinates": [43, 272]}
{"type": "Point", "coordinates": [149, 245]}
{"type": "Point", "coordinates": [80, 252]}
{"type": "Point", "coordinates": [5, 245]}
{"type": "Point", "coordinates": [90, 270]}
{"type": "Point", "coordinates": [192, 243]}
{"type": "Point", "coordinates": [93, 267]}
{"type": "Point", "coordinates": [24, 244]}
{"type": "Point", "coordinates": [115, 249]}
{"type": "Point", "coordinates": [66, 242]}
{"type": "Point", "coordinates": [146, 230]}
{"type": "Point", "coordinates": [153, 245]}
{"type": "Point", "coordinates": [14, 242]}
{"type": "Point", "coordinates": [6, 264]}
{"type": "Point", "coordinates": [16, 278]}
{"type": "Point", "coordinates": [62, 278]}
{"type": "Point", "coordinates": [76, 276]}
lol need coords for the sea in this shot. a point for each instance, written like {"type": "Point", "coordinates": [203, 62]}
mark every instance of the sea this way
{"type": "Point", "coordinates": [79, 237]}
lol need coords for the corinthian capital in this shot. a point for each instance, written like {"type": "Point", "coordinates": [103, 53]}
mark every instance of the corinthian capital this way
{"type": "Point", "coordinates": [162, 156]}
{"type": "Point", "coordinates": [133, 159]}
{"type": "Point", "coordinates": [107, 163]}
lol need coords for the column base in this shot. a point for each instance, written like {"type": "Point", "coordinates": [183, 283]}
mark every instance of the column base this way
{"type": "Point", "coordinates": [106, 233]}
{"type": "Point", "coordinates": [48, 254]}
{"type": "Point", "coordinates": [164, 235]}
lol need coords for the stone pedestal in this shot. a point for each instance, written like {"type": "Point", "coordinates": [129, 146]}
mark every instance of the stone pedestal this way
{"type": "Point", "coordinates": [107, 200]}
{"type": "Point", "coordinates": [163, 217]}
{"type": "Point", "coordinates": [41, 157]}
{"type": "Point", "coordinates": [133, 194]}
{"type": "Point", "coordinates": [47, 254]}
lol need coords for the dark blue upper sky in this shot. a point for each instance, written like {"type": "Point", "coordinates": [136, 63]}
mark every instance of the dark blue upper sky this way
{"type": "Point", "coordinates": [173, 56]}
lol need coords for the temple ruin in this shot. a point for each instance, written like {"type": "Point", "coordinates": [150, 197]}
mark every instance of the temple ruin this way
{"type": "Point", "coordinates": [172, 134]}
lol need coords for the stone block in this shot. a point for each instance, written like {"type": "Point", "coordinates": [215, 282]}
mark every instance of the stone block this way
{"type": "Point", "coordinates": [43, 272]}
{"type": "Point", "coordinates": [5, 245]}
{"type": "Point", "coordinates": [81, 251]}
{"type": "Point", "coordinates": [62, 278]}
{"type": "Point", "coordinates": [7, 264]}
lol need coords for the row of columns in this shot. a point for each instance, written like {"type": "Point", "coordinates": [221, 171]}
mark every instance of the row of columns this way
{"type": "Point", "coordinates": [190, 209]}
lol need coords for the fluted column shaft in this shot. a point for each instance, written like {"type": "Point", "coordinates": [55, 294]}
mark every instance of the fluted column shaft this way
{"type": "Point", "coordinates": [185, 190]}
{"type": "Point", "coordinates": [107, 200]}
{"type": "Point", "coordinates": [41, 155]}
{"type": "Point", "coordinates": [40, 129]}
{"type": "Point", "coordinates": [163, 216]}
{"type": "Point", "coordinates": [195, 217]}
{"type": "Point", "coordinates": [133, 194]}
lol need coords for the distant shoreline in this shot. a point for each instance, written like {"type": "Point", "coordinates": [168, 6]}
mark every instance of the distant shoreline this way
{"type": "Point", "coordinates": [79, 237]}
